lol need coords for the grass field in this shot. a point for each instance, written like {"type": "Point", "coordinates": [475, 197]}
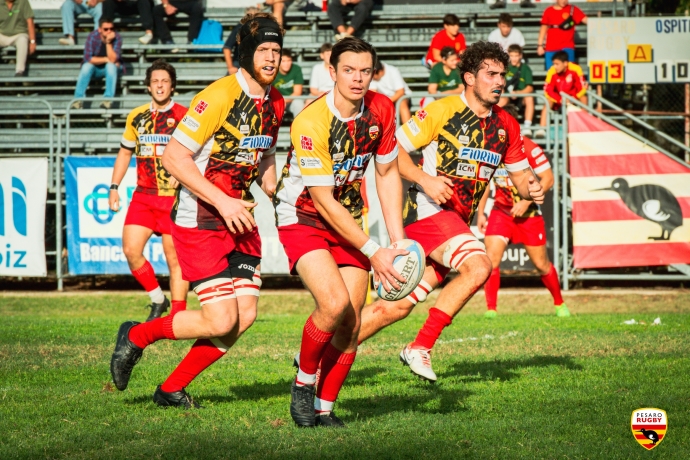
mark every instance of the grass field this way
{"type": "Point", "coordinates": [525, 385]}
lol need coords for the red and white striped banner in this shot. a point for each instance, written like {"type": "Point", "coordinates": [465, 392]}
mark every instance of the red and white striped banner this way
{"type": "Point", "coordinates": [631, 203]}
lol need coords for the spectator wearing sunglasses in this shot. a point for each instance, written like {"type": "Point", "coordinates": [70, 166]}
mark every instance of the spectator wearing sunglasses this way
{"type": "Point", "coordinates": [102, 59]}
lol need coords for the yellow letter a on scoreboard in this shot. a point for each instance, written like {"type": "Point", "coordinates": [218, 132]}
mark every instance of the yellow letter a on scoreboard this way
{"type": "Point", "coordinates": [640, 53]}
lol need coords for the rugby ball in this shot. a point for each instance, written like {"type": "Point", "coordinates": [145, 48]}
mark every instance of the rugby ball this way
{"type": "Point", "coordinates": [411, 267]}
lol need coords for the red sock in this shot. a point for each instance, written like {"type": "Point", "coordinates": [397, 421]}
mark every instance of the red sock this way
{"type": "Point", "coordinates": [314, 343]}
{"type": "Point", "coordinates": [204, 352]}
{"type": "Point", "coordinates": [550, 280]}
{"type": "Point", "coordinates": [430, 332]}
{"type": "Point", "coordinates": [335, 365]}
{"type": "Point", "coordinates": [145, 334]}
{"type": "Point", "coordinates": [491, 289]}
{"type": "Point", "coordinates": [178, 305]}
{"type": "Point", "coordinates": [146, 277]}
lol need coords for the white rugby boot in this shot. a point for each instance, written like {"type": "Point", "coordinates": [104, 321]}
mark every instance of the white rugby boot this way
{"type": "Point", "coordinates": [419, 362]}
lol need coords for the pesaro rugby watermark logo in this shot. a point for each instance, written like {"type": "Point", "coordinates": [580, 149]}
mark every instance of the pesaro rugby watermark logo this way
{"type": "Point", "coordinates": [649, 427]}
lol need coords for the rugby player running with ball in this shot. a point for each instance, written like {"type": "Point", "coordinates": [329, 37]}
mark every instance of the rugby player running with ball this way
{"type": "Point", "coordinates": [224, 143]}
{"type": "Point", "coordinates": [319, 211]}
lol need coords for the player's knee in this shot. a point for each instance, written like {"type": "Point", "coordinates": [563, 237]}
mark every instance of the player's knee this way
{"type": "Point", "coordinates": [222, 324]}
{"type": "Point", "coordinates": [479, 270]}
{"type": "Point", "coordinates": [335, 304]}
{"type": "Point", "coordinates": [131, 252]}
{"type": "Point", "coordinates": [247, 318]}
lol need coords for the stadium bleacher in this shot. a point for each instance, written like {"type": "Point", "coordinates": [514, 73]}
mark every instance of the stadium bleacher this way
{"type": "Point", "coordinates": [401, 34]}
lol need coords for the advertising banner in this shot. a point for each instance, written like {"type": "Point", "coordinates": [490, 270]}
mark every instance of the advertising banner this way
{"type": "Point", "coordinates": [631, 203]}
{"type": "Point", "coordinates": [23, 189]}
{"type": "Point", "coordinates": [94, 232]}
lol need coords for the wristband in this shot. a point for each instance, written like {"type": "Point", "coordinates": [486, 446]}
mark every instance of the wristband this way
{"type": "Point", "coordinates": [370, 248]}
{"type": "Point", "coordinates": [114, 186]}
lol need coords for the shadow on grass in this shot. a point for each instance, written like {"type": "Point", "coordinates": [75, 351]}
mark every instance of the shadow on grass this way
{"type": "Point", "coordinates": [506, 369]}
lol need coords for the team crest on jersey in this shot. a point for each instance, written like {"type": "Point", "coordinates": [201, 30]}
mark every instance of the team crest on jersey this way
{"type": "Point", "coordinates": [421, 115]}
{"type": "Point", "coordinates": [274, 120]}
{"type": "Point", "coordinates": [307, 143]}
{"type": "Point", "coordinates": [200, 107]}
{"type": "Point", "coordinates": [374, 132]}
{"type": "Point", "coordinates": [569, 78]}
{"type": "Point", "coordinates": [649, 426]}
{"type": "Point", "coordinates": [170, 122]}
{"type": "Point", "coordinates": [502, 135]}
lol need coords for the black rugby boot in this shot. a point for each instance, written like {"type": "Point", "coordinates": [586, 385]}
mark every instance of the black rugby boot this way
{"type": "Point", "coordinates": [329, 420]}
{"type": "Point", "coordinates": [175, 399]}
{"type": "Point", "coordinates": [302, 405]}
{"type": "Point", "coordinates": [125, 356]}
{"type": "Point", "coordinates": [157, 309]}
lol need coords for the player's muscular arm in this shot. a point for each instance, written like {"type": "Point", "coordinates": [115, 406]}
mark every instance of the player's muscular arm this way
{"type": "Point", "coordinates": [124, 157]}
{"type": "Point", "coordinates": [527, 185]}
{"type": "Point", "coordinates": [342, 222]}
{"type": "Point", "coordinates": [389, 188]}
{"type": "Point", "coordinates": [481, 214]}
{"type": "Point", "coordinates": [177, 160]}
{"type": "Point", "coordinates": [439, 189]}
{"type": "Point", "coordinates": [267, 175]}
{"type": "Point", "coordinates": [546, 179]}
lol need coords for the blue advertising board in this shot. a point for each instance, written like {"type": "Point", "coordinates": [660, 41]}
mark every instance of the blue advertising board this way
{"type": "Point", "coordinates": [94, 232]}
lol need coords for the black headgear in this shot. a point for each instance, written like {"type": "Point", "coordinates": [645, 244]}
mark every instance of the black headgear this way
{"type": "Point", "coordinates": [269, 31]}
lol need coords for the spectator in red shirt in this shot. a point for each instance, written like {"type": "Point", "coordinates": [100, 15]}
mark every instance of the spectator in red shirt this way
{"type": "Point", "coordinates": [558, 29]}
{"type": "Point", "coordinates": [564, 77]}
{"type": "Point", "coordinates": [449, 36]}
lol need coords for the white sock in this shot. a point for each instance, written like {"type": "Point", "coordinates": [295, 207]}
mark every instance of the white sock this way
{"type": "Point", "coordinates": [528, 123]}
{"type": "Point", "coordinates": [323, 406]}
{"type": "Point", "coordinates": [157, 295]}
{"type": "Point", "coordinates": [305, 379]}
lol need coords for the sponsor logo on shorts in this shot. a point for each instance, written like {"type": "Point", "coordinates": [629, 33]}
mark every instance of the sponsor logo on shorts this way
{"type": "Point", "coordinates": [247, 267]}
{"type": "Point", "coordinates": [421, 115]}
{"type": "Point", "coordinates": [170, 122]}
{"type": "Point", "coordinates": [307, 143]}
{"type": "Point", "coordinates": [310, 163]}
{"type": "Point", "coordinates": [412, 125]}
{"type": "Point", "coordinates": [146, 150]}
{"type": "Point", "coordinates": [200, 107]}
{"type": "Point", "coordinates": [502, 135]}
{"type": "Point", "coordinates": [374, 132]}
{"type": "Point", "coordinates": [154, 138]}
{"type": "Point", "coordinates": [485, 156]}
{"type": "Point", "coordinates": [485, 172]}
{"type": "Point", "coordinates": [256, 142]}
{"type": "Point", "coordinates": [467, 170]}
{"type": "Point", "coordinates": [190, 123]}
{"type": "Point", "coordinates": [464, 139]}
{"type": "Point", "coordinates": [247, 157]}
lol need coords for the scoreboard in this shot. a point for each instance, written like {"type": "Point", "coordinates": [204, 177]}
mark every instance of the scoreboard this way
{"type": "Point", "coordinates": [639, 50]}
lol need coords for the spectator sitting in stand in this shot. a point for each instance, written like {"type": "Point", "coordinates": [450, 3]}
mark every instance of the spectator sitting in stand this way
{"type": "Point", "coordinates": [449, 36]}
{"type": "Point", "coordinates": [102, 59]}
{"type": "Point", "coordinates": [338, 9]}
{"type": "Point", "coordinates": [230, 48]}
{"type": "Point", "coordinates": [289, 83]}
{"type": "Point", "coordinates": [389, 81]}
{"type": "Point", "coordinates": [444, 77]}
{"type": "Point", "coordinates": [320, 81]}
{"type": "Point", "coordinates": [519, 81]}
{"type": "Point", "coordinates": [192, 8]}
{"type": "Point", "coordinates": [558, 29]}
{"type": "Point", "coordinates": [72, 8]}
{"type": "Point", "coordinates": [17, 29]}
{"type": "Point", "coordinates": [506, 35]}
{"type": "Point", "coordinates": [564, 76]}
{"type": "Point", "coordinates": [278, 9]}
{"type": "Point", "coordinates": [141, 8]}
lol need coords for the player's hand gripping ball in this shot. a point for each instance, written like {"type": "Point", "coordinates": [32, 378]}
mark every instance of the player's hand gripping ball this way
{"type": "Point", "coordinates": [410, 266]}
